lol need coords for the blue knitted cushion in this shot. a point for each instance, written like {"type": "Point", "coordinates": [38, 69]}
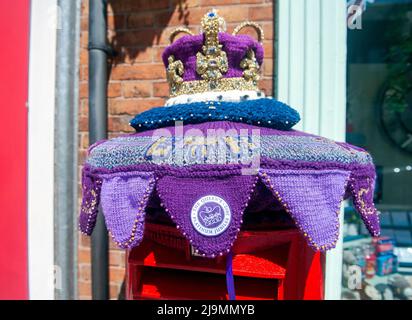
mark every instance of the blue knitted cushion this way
{"type": "Point", "coordinates": [265, 112]}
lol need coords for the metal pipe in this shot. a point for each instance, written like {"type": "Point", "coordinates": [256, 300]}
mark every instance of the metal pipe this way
{"type": "Point", "coordinates": [65, 164]}
{"type": "Point", "coordinates": [98, 55]}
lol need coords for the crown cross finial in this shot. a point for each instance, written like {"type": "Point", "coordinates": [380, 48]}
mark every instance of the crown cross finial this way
{"type": "Point", "coordinates": [212, 62]}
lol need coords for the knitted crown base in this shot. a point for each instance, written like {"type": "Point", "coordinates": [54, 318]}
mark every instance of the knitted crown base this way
{"type": "Point", "coordinates": [312, 198]}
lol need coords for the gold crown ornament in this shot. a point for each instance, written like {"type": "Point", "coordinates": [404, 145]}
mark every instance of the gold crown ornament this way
{"type": "Point", "coordinates": [213, 60]}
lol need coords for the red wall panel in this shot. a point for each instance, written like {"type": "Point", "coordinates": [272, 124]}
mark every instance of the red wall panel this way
{"type": "Point", "coordinates": [14, 35]}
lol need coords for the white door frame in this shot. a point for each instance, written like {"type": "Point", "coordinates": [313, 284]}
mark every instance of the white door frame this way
{"type": "Point", "coordinates": [41, 107]}
{"type": "Point", "coordinates": [311, 77]}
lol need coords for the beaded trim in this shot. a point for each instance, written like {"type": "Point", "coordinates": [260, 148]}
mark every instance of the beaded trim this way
{"type": "Point", "coordinates": [139, 220]}
{"type": "Point", "coordinates": [89, 206]}
{"type": "Point", "coordinates": [266, 180]}
{"type": "Point", "coordinates": [197, 250]}
{"type": "Point", "coordinates": [223, 84]}
{"type": "Point", "coordinates": [367, 212]}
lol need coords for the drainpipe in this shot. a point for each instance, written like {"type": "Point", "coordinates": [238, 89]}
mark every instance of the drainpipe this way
{"type": "Point", "coordinates": [65, 163]}
{"type": "Point", "coordinates": [98, 75]}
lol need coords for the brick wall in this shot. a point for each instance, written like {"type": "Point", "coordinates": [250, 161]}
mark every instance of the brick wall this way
{"type": "Point", "coordinates": [138, 31]}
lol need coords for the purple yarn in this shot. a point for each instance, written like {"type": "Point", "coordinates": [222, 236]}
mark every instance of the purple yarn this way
{"type": "Point", "coordinates": [361, 189]}
{"type": "Point", "coordinates": [124, 199]}
{"type": "Point", "coordinates": [225, 125]}
{"type": "Point", "coordinates": [313, 199]}
{"type": "Point", "coordinates": [236, 47]}
{"type": "Point", "coordinates": [311, 189]}
{"type": "Point", "coordinates": [312, 193]}
{"type": "Point", "coordinates": [91, 187]}
{"type": "Point", "coordinates": [179, 194]}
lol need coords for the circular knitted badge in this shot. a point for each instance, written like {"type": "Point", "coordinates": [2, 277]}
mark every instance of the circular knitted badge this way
{"type": "Point", "coordinates": [210, 215]}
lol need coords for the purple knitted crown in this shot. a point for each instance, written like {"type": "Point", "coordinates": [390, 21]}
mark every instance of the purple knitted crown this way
{"type": "Point", "coordinates": [213, 60]}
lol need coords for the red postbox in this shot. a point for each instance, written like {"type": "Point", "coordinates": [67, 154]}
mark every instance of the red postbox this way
{"type": "Point", "coordinates": [266, 265]}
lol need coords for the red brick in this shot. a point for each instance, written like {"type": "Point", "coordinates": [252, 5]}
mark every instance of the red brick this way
{"type": "Point", "coordinates": [114, 291]}
{"type": "Point", "coordinates": [84, 56]}
{"type": "Point", "coordinates": [234, 13]}
{"type": "Point", "coordinates": [116, 274]}
{"type": "Point", "coordinates": [138, 72]}
{"type": "Point", "coordinates": [251, 1]}
{"type": "Point", "coordinates": [187, 4]}
{"type": "Point", "coordinates": [83, 90]}
{"type": "Point", "coordinates": [216, 2]}
{"type": "Point", "coordinates": [120, 124]}
{"type": "Point", "coordinates": [261, 13]}
{"type": "Point", "coordinates": [161, 89]}
{"type": "Point", "coordinates": [116, 22]}
{"type": "Point", "coordinates": [267, 30]}
{"type": "Point", "coordinates": [85, 8]}
{"type": "Point", "coordinates": [85, 272]}
{"type": "Point", "coordinates": [179, 17]}
{"type": "Point", "coordinates": [84, 255]}
{"type": "Point", "coordinates": [84, 140]}
{"type": "Point", "coordinates": [117, 258]}
{"type": "Point", "coordinates": [266, 85]}
{"type": "Point", "coordinates": [84, 23]}
{"type": "Point", "coordinates": [267, 67]}
{"type": "Point", "coordinates": [85, 289]}
{"type": "Point", "coordinates": [132, 55]}
{"type": "Point", "coordinates": [114, 90]}
{"type": "Point", "coordinates": [84, 39]}
{"type": "Point", "coordinates": [84, 240]}
{"type": "Point", "coordinates": [138, 5]}
{"type": "Point", "coordinates": [268, 47]}
{"type": "Point", "coordinates": [84, 72]}
{"type": "Point", "coordinates": [140, 37]}
{"type": "Point", "coordinates": [83, 123]}
{"type": "Point", "coordinates": [137, 89]}
{"type": "Point", "coordinates": [133, 106]}
{"type": "Point", "coordinates": [84, 107]}
{"type": "Point", "coordinates": [157, 54]}
{"type": "Point", "coordinates": [139, 20]}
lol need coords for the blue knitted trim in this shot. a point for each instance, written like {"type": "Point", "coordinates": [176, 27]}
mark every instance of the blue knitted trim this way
{"type": "Point", "coordinates": [265, 112]}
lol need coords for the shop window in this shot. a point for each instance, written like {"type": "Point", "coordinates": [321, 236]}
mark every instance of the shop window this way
{"type": "Point", "coordinates": [379, 119]}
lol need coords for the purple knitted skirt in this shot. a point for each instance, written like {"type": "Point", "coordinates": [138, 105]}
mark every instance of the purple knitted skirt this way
{"type": "Point", "coordinates": [206, 175]}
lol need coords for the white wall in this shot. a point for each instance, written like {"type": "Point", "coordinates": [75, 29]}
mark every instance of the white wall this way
{"type": "Point", "coordinates": [41, 148]}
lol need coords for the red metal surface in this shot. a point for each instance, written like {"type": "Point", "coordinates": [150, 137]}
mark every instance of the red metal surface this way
{"type": "Point", "coordinates": [14, 33]}
{"type": "Point", "coordinates": [266, 265]}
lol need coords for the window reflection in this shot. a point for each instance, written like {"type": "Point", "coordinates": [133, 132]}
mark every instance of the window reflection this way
{"type": "Point", "coordinates": [379, 118]}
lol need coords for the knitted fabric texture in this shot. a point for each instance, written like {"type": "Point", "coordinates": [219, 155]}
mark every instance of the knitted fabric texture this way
{"type": "Point", "coordinates": [178, 194]}
{"type": "Point", "coordinates": [306, 195]}
{"type": "Point", "coordinates": [91, 187]}
{"type": "Point", "coordinates": [263, 112]}
{"type": "Point", "coordinates": [124, 198]}
{"type": "Point", "coordinates": [236, 48]}
{"type": "Point", "coordinates": [161, 147]}
{"type": "Point", "coordinates": [308, 175]}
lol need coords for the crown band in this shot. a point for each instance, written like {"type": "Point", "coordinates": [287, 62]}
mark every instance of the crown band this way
{"type": "Point", "coordinates": [223, 84]}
